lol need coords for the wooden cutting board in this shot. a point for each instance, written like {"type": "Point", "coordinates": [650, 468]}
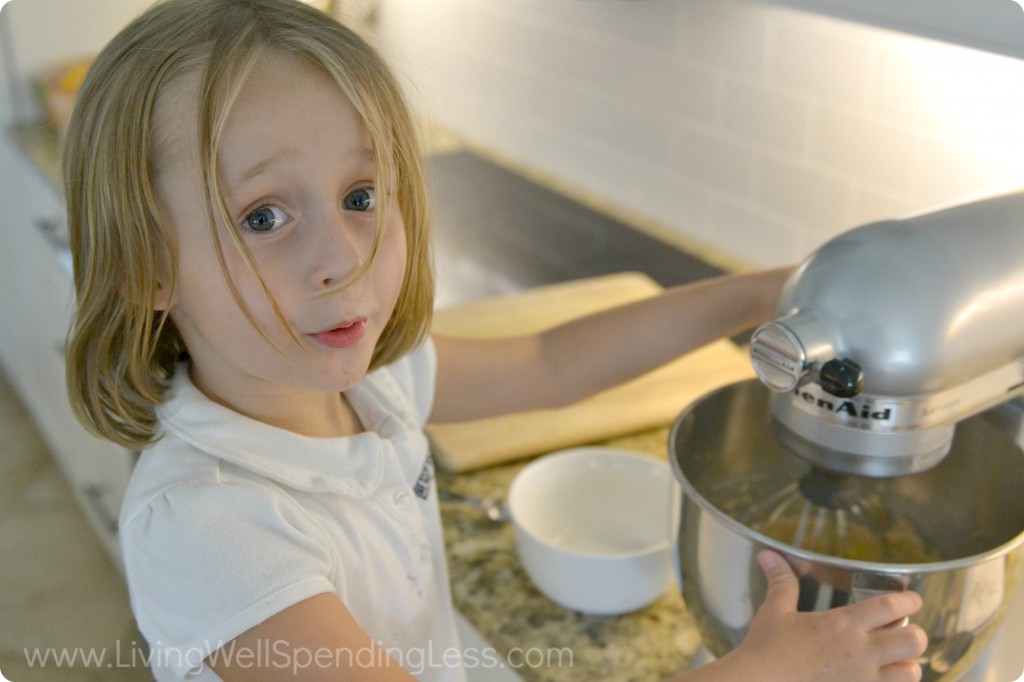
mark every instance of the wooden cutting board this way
{"type": "Point", "coordinates": [650, 401]}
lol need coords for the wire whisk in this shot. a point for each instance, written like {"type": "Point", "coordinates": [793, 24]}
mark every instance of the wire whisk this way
{"type": "Point", "coordinates": [824, 512]}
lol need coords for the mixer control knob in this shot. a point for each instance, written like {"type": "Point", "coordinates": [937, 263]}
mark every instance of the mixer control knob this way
{"type": "Point", "coordinates": [841, 378]}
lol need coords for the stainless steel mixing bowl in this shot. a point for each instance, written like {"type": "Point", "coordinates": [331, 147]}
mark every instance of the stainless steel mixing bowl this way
{"type": "Point", "coordinates": [969, 509]}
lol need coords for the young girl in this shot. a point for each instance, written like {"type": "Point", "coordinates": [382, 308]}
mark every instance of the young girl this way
{"type": "Point", "coordinates": [249, 229]}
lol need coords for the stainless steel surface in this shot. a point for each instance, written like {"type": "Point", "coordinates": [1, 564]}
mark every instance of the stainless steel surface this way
{"type": "Point", "coordinates": [926, 313]}
{"type": "Point", "coordinates": [1003, 659]}
{"type": "Point", "coordinates": [1009, 417]}
{"type": "Point", "coordinates": [969, 508]}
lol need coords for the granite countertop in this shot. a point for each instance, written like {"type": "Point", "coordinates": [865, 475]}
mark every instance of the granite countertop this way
{"type": "Point", "coordinates": [492, 591]}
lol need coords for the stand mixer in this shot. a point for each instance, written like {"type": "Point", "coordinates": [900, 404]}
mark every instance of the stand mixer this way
{"type": "Point", "coordinates": [865, 451]}
{"type": "Point", "coordinates": [893, 332]}
{"type": "Point", "coordinates": [890, 334]}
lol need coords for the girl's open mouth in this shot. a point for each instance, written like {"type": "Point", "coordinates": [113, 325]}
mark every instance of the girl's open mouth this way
{"type": "Point", "coordinates": [343, 335]}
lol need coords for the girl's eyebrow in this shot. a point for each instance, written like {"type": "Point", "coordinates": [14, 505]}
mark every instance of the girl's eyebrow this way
{"type": "Point", "coordinates": [260, 167]}
{"type": "Point", "coordinates": [364, 154]}
{"type": "Point", "coordinates": [266, 163]}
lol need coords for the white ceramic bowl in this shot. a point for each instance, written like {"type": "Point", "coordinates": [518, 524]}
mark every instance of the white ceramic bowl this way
{"type": "Point", "coordinates": [592, 528]}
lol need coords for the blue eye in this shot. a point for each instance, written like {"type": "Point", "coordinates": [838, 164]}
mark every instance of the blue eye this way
{"type": "Point", "coordinates": [364, 199]}
{"type": "Point", "coordinates": [265, 219]}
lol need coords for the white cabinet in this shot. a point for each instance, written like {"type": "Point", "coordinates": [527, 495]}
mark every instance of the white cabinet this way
{"type": "Point", "coordinates": [42, 33]}
{"type": "Point", "coordinates": [35, 315]}
{"type": "Point", "coordinates": [37, 300]}
{"type": "Point", "coordinates": [994, 25]}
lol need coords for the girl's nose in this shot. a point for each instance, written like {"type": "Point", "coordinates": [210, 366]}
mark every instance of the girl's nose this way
{"type": "Point", "coordinates": [340, 250]}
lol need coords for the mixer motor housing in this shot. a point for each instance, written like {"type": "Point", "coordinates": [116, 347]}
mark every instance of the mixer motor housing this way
{"type": "Point", "coordinates": [891, 333]}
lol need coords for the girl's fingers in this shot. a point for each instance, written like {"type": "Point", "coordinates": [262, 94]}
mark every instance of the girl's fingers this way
{"type": "Point", "coordinates": [904, 671]}
{"type": "Point", "coordinates": [783, 588]}
{"type": "Point", "coordinates": [899, 644]}
{"type": "Point", "coordinates": [885, 609]}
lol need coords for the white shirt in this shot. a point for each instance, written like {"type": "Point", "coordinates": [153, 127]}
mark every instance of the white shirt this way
{"type": "Point", "coordinates": [227, 521]}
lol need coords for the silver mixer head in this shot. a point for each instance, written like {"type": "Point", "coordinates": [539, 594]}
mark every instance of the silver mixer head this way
{"type": "Point", "coordinates": [823, 414]}
{"type": "Point", "coordinates": [891, 333]}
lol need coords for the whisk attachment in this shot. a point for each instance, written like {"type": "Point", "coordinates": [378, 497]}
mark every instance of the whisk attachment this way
{"type": "Point", "coordinates": [829, 489]}
{"type": "Point", "coordinates": [824, 512]}
{"type": "Point", "coordinates": [827, 512]}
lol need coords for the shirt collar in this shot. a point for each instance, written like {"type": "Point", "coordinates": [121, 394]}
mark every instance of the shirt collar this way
{"type": "Point", "coordinates": [352, 465]}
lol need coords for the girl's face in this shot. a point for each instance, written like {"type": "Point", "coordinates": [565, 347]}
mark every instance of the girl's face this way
{"type": "Point", "coordinates": [298, 175]}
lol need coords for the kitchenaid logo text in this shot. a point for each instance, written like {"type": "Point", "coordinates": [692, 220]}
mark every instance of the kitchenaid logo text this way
{"type": "Point", "coordinates": [866, 411]}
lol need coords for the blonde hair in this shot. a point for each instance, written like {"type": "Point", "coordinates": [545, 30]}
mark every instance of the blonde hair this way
{"type": "Point", "coordinates": [121, 350]}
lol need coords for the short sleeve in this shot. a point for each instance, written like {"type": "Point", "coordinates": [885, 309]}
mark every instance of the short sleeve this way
{"type": "Point", "coordinates": [200, 573]}
{"type": "Point", "coordinates": [416, 374]}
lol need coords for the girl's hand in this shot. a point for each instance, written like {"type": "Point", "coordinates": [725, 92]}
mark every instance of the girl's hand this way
{"type": "Point", "coordinates": [853, 643]}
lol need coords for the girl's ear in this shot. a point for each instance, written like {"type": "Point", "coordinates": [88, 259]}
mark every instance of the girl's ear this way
{"type": "Point", "coordinates": [163, 298]}
{"type": "Point", "coordinates": [163, 278]}
{"type": "Point", "coordinates": [163, 295]}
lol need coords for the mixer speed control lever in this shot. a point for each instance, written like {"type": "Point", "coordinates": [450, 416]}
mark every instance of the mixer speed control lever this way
{"type": "Point", "coordinates": [841, 378]}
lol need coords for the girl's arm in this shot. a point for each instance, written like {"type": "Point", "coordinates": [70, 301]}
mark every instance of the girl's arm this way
{"type": "Point", "coordinates": [318, 640]}
{"type": "Point", "coordinates": [315, 640]}
{"type": "Point", "coordinates": [484, 378]}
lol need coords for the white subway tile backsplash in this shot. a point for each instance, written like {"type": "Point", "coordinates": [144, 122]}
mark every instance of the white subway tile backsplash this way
{"type": "Point", "coordinates": [813, 57]}
{"type": "Point", "coordinates": [960, 94]}
{"type": "Point", "coordinates": [951, 171]}
{"type": "Point", "coordinates": [760, 129]}
{"type": "Point", "coordinates": [870, 206]}
{"type": "Point", "coordinates": [765, 117]}
{"type": "Point", "coordinates": [872, 152]}
{"type": "Point", "coordinates": [901, 90]}
{"type": "Point", "coordinates": [578, 61]}
{"type": "Point", "coordinates": [705, 159]}
{"type": "Point", "coordinates": [644, 191]}
{"type": "Point", "coordinates": [675, 205]}
{"type": "Point", "coordinates": [652, 28]}
{"type": "Point", "coordinates": [611, 125]}
{"type": "Point", "coordinates": [676, 92]}
{"type": "Point", "coordinates": [724, 36]}
{"type": "Point", "coordinates": [630, 78]}
{"type": "Point", "coordinates": [804, 193]}
{"type": "Point", "coordinates": [754, 236]}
